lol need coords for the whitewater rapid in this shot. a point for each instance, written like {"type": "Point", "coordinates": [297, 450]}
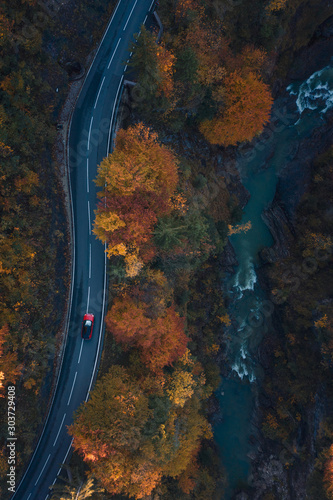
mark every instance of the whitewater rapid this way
{"type": "Point", "coordinates": [250, 311]}
{"type": "Point", "coordinates": [245, 278]}
{"type": "Point", "coordinates": [316, 93]}
{"type": "Point", "coordinates": [241, 287]}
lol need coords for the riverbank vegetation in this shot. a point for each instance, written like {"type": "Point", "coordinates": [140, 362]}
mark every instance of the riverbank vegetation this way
{"type": "Point", "coordinates": [194, 79]}
{"type": "Point", "coordinates": [298, 382]}
{"type": "Point", "coordinates": [281, 27]}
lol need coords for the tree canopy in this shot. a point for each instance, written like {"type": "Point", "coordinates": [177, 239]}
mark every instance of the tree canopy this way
{"type": "Point", "coordinates": [247, 109]}
{"type": "Point", "coordinates": [138, 181]}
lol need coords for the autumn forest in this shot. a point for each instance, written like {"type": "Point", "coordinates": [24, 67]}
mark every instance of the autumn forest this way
{"type": "Point", "coordinates": [202, 94]}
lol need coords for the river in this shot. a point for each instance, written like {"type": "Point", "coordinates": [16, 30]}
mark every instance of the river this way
{"type": "Point", "coordinates": [249, 309]}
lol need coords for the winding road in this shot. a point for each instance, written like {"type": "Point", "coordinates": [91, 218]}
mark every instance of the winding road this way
{"type": "Point", "coordinates": [89, 142]}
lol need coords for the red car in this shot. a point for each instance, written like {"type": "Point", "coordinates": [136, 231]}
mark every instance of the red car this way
{"type": "Point", "coordinates": [87, 326]}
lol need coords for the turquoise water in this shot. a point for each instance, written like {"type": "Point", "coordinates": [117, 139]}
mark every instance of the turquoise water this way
{"type": "Point", "coordinates": [249, 310]}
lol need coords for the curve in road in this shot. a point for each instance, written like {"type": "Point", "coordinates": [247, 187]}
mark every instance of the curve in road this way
{"type": "Point", "coordinates": [89, 143]}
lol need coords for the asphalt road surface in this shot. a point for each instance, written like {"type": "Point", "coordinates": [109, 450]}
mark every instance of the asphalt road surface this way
{"type": "Point", "coordinates": [89, 142]}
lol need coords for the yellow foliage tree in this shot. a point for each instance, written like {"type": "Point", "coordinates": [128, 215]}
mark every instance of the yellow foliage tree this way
{"type": "Point", "coordinates": [181, 387]}
{"type": "Point", "coordinates": [239, 229]}
{"type": "Point", "coordinates": [322, 322]}
{"type": "Point", "coordinates": [276, 5]}
{"type": "Point", "coordinates": [138, 161]}
{"type": "Point", "coordinates": [133, 265]}
{"type": "Point", "coordinates": [106, 222]}
{"type": "Point", "coordinates": [138, 180]}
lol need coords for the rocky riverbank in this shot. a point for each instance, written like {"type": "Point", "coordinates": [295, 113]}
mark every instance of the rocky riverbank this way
{"type": "Point", "coordinates": [292, 184]}
{"type": "Point", "coordinates": [284, 469]}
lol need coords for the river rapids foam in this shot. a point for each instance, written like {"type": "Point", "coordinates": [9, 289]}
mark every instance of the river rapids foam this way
{"type": "Point", "coordinates": [246, 278]}
{"type": "Point", "coordinates": [316, 92]}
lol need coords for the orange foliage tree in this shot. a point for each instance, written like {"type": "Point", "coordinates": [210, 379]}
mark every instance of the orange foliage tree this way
{"type": "Point", "coordinates": [160, 340]}
{"type": "Point", "coordinates": [126, 431]}
{"type": "Point", "coordinates": [165, 64]}
{"type": "Point", "coordinates": [250, 60]}
{"type": "Point", "coordinates": [187, 479]}
{"type": "Point", "coordinates": [247, 109]}
{"type": "Point", "coordinates": [107, 431]}
{"type": "Point", "coordinates": [126, 222]}
{"type": "Point", "coordinates": [138, 161]}
{"type": "Point", "coordinates": [138, 181]}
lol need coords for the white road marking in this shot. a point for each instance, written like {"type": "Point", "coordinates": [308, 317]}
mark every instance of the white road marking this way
{"type": "Point", "coordinates": [89, 232]}
{"type": "Point", "coordinates": [72, 389]}
{"type": "Point", "coordinates": [87, 175]}
{"type": "Point", "coordinates": [125, 68]}
{"type": "Point", "coordinates": [88, 299]}
{"type": "Point", "coordinates": [48, 458]}
{"type": "Point", "coordinates": [114, 53]}
{"type": "Point", "coordinates": [144, 22]}
{"type": "Point", "coordinates": [105, 247]}
{"type": "Point", "coordinates": [89, 217]}
{"type": "Point", "coordinates": [131, 54]}
{"type": "Point", "coordinates": [80, 352]}
{"type": "Point", "coordinates": [111, 121]}
{"type": "Point", "coordinates": [111, 20]}
{"type": "Point", "coordinates": [101, 42]}
{"type": "Point", "coordinates": [64, 460]}
{"type": "Point", "coordinates": [47, 496]}
{"type": "Point", "coordinates": [90, 260]}
{"type": "Point", "coordinates": [73, 271]}
{"type": "Point", "coordinates": [101, 328]}
{"type": "Point", "coordinates": [56, 439]}
{"type": "Point", "coordinates": [130, 15]}
{"type": "Point", "coordinates": [100, 88]}
{"type": "Point", "coordinates": [54, 481]}
{"type": "Point", "coordinates": [151, 4]}
{"type": "Point", "coordinates": [89, 132]}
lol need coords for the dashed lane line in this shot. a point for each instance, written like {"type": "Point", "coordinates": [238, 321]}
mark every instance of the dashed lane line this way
{"type": "Point", "coordinates": [56, 439]}
{"type": "Point", "coordinates": [100, 88]}
{"type": "Point", "coordinates": [89, 132]}
{"type": "Point", "coordinates": [130, 14]}
{"type": "Point", "coordinates": [70, 396]}
{"type": "Point", "coordinates": [114, 53]}
{"type": "Point", "coordinates": [48, 458]}
{"type": "Point", "coordinates": [78, 361]}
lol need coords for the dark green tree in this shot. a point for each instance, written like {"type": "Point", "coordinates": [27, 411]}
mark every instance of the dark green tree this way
{"type": "Point", "coordinates": [144, 64]}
